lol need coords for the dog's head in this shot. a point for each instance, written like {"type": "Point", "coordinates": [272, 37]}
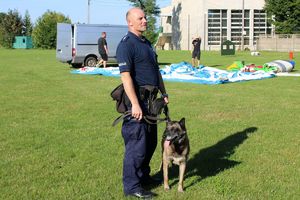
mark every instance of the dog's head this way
{"type": "Point", "coordinates": [175, 131]}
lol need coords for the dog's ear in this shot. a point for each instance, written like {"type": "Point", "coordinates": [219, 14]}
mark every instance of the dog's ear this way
{"type": "Point", "coordinates": [182, 123]}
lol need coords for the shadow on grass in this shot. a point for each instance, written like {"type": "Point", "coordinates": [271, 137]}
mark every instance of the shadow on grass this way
{"type": "Point", "coordinates": [116, 64]}
{"type": "Point", "coordinates": [164, 63]}
{"type": "Point", "coordinates": [212, 160]}
{"type": "Point", "coordinates": [112, 65]}
{"type": "Point", "coordinates": [217, 65]}
{"type": "Point", "coordinates": [215, 159]}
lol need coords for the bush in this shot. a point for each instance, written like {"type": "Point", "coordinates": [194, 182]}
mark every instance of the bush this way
{"type": "Point", "coordinates": [44, 33]}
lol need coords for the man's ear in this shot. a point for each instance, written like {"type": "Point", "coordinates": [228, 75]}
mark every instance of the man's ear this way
{"type": "Point", "coordinates": [129, 22]}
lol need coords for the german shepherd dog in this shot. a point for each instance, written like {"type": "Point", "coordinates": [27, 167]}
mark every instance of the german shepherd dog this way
{"type": "Point", "coordinates": [175, 149]}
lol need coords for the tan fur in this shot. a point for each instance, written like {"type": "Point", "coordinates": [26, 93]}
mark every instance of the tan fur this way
{"type": "Point", "coordinates": [176, 154]}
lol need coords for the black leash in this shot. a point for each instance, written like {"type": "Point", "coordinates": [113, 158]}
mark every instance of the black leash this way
{"type": "Point", "coordinates": [149, 119]}
{"type": "Point", "coordinates": [121, 117]}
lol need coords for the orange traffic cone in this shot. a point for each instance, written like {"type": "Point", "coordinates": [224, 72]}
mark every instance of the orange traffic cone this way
{"type": "Point", "coordinates": [291, 55]}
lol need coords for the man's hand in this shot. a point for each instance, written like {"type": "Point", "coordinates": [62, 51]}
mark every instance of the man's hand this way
{"type": "Point", "coordinates": [136, 112]}
{"type": "Point", "coordinates": [166, 100]}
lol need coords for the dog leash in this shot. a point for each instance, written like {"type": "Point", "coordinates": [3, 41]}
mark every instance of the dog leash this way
{"type": "Point", "coordinates": [149, 119]}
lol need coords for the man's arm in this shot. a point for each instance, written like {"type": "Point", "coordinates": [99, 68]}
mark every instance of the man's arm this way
{"type": "Point", "coordinates": [106, 49]}
{"type": "Point", "coordinates": [162, 88]}
{"type": "Point", "coordinates": [136, 110]}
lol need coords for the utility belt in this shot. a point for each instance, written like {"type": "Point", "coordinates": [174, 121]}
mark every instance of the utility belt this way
{"type": "Point", "coordinates": [147, 95]}
{"type": "Point", "coordinates": [147, 92]}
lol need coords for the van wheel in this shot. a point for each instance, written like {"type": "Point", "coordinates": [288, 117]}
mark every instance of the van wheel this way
{"type": "Point", "coordinates": [90, 62]}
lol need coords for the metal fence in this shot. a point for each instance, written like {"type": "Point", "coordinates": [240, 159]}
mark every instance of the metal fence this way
{"type": "Point", "coordinates": [280, 42]}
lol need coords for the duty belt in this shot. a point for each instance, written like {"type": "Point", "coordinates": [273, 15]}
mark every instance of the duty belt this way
{"type": "Point", "coordinates": [147, 118]}
{"type": "Point", "coordinates": [148, 92]}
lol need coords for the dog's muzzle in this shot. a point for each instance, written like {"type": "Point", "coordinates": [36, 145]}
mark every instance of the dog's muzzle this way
{"type": "Point", "coordinates": [175, 138]}
{"type": "Point", "coordinates": [171, 137]}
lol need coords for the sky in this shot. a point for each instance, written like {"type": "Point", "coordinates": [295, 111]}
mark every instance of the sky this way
{"type": "Point", "coordinates": [101, 11]}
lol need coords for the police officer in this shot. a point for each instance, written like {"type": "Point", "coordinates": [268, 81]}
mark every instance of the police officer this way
{"type": "Point", "coordinates": [139, 69]}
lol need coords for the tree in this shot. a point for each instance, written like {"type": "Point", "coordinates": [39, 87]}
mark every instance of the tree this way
{"type": "Point", "coordinates": [286, 15]}
{"type": "Point", "coordinates": [27, 24]}
{"type": "Point", "coordinates": [10, 26]}
{"type": "Point", "coordinates": [151, 11]}
{"type": "Point", "coordinates": [2, 16]}
{"type": "Point", "coordinates": [44, 32]}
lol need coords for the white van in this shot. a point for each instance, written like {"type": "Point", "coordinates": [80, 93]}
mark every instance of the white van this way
{"type": "Point", "coordinates": [76, 44]}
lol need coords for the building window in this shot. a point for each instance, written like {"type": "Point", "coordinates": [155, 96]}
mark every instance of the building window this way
{"type": "Point", "coordinates": [217, 26]}
{"type": "Point", "coordinates": [169, 20]}
{"type": "Point", "coordinates": [261, 24]}
{"type": "Point", "coordinates": [224, 22]}
{"type": "Point", "coordinates": [224, 13]}
{"type": "Point", "coordinates": [247, 14]}
{"type": "Point", "coordinates": [237, 26]}
{"type": "Point", "coordinates": [217, 23]}
{"type": "Point", "coordinates": [246, 22]}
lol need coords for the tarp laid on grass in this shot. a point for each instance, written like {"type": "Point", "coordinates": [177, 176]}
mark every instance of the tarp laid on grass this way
{"type": "Point", "coordinates": [184, 72]}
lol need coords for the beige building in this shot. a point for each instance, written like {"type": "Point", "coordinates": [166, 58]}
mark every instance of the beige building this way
{"type": "Point", "coordinates": [214, 21]}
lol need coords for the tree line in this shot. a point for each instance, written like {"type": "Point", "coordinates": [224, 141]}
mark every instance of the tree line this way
{"type": "Point", "coordinates": [43, 33]}
{"type": "Point", "coordinates": [285, 18]}
{"type": "Point", "coordinates": [285, 15]}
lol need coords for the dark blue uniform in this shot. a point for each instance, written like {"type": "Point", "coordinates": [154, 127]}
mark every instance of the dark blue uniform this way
{"type": "Point", "coordinates": [135, 55]}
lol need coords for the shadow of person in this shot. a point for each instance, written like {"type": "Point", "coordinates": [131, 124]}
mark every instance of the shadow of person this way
{"type": "Point", "coordinates": [215, 159]}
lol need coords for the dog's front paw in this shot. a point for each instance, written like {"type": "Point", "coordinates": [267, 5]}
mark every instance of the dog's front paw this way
{"type": "Point", "coordinates": [180, 189]}
{"type": "Point", "coordinates": [166, 187]}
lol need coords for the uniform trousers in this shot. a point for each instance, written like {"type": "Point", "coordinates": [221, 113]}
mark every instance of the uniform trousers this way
{"type": "Point", "coordinates": [140, 140]}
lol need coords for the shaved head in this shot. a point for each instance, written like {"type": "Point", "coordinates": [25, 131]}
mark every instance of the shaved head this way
{"type": "Point", "coordinates": [136, 20]}
{"type": "Point", "coordinates": [132, 11]}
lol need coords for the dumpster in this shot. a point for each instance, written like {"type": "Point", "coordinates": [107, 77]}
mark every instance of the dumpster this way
{"type": "Point", "coordinates": [227, 48]}
{"type": "Point", "coordinates": [22, 42]}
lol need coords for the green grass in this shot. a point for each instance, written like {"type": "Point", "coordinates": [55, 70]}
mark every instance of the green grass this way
{"type": "Point", "coordinates": [56, 139]}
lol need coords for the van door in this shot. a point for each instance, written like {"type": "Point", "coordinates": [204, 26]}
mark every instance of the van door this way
{"type": "Point", "coordinates": [114, 36]}
{"type": "Point", "coordinates": [64, 42]}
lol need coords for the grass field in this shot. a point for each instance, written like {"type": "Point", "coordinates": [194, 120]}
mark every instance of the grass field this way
{"type": "Point", "coordinates": [56, 139]}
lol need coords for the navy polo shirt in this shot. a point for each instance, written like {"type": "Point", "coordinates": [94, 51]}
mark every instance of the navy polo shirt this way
{"type": "Point", "coordinates": [136, 55]}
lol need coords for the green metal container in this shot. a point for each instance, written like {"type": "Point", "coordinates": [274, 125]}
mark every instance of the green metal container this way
{"type": "Point", "coordinates": [227, 48]}
{"type": "Point", "coordinates": [23, 42]}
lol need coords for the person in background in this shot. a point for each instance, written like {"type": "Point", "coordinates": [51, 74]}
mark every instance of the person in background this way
{"type": "Point", "coordinates": [103, 50]}
{"type": "Point", "coordinates": [141, 79]}
{"type": "Point", "coordinates": [196, 53]}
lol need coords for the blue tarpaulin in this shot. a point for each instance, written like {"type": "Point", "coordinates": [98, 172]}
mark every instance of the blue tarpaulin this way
{"type": "Point", "coordinates": [184, 72]}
